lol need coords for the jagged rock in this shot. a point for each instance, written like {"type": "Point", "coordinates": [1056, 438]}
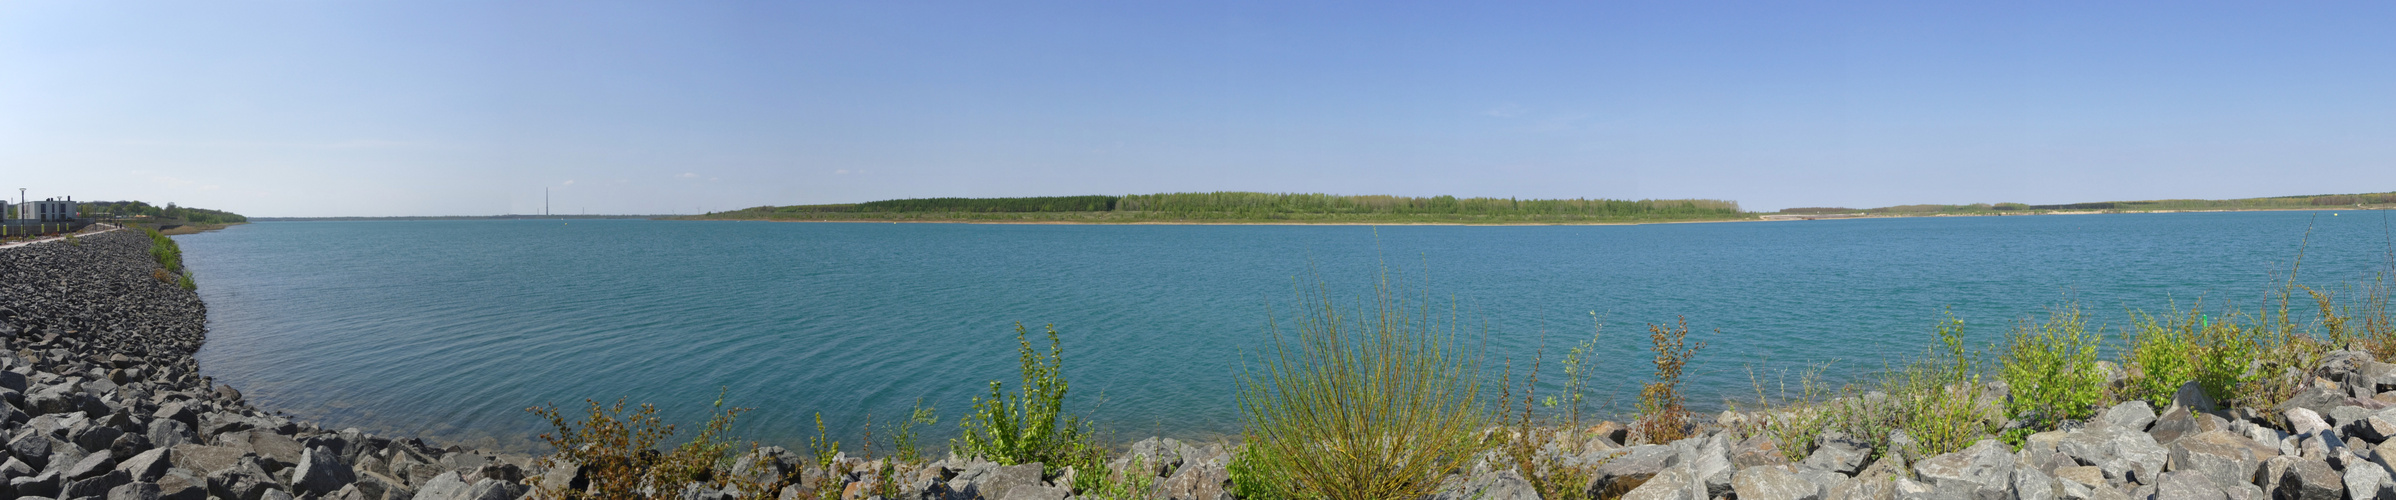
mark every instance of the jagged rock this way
{"type": "Point", "coordinates": [2031, 484]}
{"type": "Point", "coordinates": [1673, 483]}
{"type": "Point", "coordinates": [1836, 452]}
{"type": "Point", "coordinates": [2085, 483]}
{"type": "Point", "coordinates": [95, 486]}
{"type": "Point", "coordinates": [2124, 455]}
{"type": "Point", "coordinates": [2087, 474]}
{"type": "Point", "coordinates": [1632, 464]}
{"type": "Point", "coordinates": [1757, 451]}
{"type": "Point", "coordinates": [2368, 481]}
{"type": "Point", "coordinates": [1206, 481]}
{"type": "Point", "coordinates": [1912, 490]}
{"type": "Point", "coordinates": [2309, 479]}
{"type": "Point", "coordinates": [2191, 396]}
{"type": "Point", "coordinates": [147, 466]}
{"type": "Point", "coordinates": [95, 465]}
{"type": "Point", "coordinates": [44, 484]}
{"type": "Point", "coordinates": [1778, 482]}
{"type": "Point", "coordinates": [321, 472]}
{"type": "Point", "coordinates": [2314, 399]}
{"type": "Point", "coordinates": [1862, 487]}
{"type": "Point", "coordinates": [999, 481]}
{"type": "Point", "coordinates": [2188, 486]}
{"type": "Point", "coordinates": [135, 491]}
{"type": "Point", "coordinates": [2374, 429]}
{"type": "Point", "coordinates": [1158, 455]}
{"type": "Point", "coordinates": [2246, 491]}
{"type": "Point", "coordinates": [205, 459]}
{"type": "Point", "coordinates": [164, 433]}
{"type": "Point", "coordinates": [180, 486]}
{"type": "Point", "coordinates": [1500, 485]}
{"type": "Point", "coordinates": [177, 412]}
{"type": "Point", "coordinates": [34, 449]}
{"type": "Point", "coordinates": [2223, 464]}
{"type": "Point", "coordinates": [2171, 426]}
{"type": "Point", "coordinates": [446, 486]}
{"type": "Point", "coordinates": [377, 485]}
{"type": "Point", "coordinates": [1708, 458]}
{"type": "Point", "coordinates": [283, 451]}
{"type": "Point", "coordinates": [1821, 478]}
{"type": "Point", "coordinates": [1983, 471]}
{"type": "Point", "coordinates": [1036, 492]}
{"type": "Point", "coordinates": [764, 466]}
{"type": "Point", "coordinates": [494, 489]}
{"type": "Point", "coordinates": [2132, 415]}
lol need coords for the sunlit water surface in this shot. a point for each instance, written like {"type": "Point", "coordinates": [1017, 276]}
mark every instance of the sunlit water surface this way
{"type": "Point", "coordinates": [450, 329]}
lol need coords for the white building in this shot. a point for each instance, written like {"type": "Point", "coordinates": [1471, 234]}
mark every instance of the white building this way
{"type": "Point", "coordinates": [51, 210]}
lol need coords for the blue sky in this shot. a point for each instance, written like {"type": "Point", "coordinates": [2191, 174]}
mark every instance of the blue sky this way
{"type": "Point", "coordinates": [433, 108]}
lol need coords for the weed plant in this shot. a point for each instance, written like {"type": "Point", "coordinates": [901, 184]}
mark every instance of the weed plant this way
{"type": "Point", "coordinates": [1031, 425]}
{"type": "Point", "coordinates": [1792, 421]}
{"type": "Point", "coordinates": [1936, 400]}
{"type": "Point", "coordinates": [618, 447]}
{"type": "Point", "coordinates": [1663, 412]}
{"type": "Point", "coordinates": [1526, 448]}
{"type": "Point", "coordinates": [1374, 402]}
{"type": "Point", "coordinates": [822, 445]}
{"type": "Point", "coordinates": [906, 443]}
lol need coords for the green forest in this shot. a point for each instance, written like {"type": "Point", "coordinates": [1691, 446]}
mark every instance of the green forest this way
{"type": "Point", "coordinates": [1255, 207]}
{"type": "Point", "coordinates": [132, 209]}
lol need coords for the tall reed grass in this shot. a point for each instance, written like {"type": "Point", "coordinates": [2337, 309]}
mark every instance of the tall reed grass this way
{"type": "Point", "coordinates": [1374, 401]}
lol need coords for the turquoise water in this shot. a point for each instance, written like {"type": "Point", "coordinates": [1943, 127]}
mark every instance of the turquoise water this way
{"type": "Point", "coordinates": [450, 329]}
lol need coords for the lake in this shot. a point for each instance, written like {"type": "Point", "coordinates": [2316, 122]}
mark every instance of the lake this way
{"type": "Point", "coordinates": [450, 329]}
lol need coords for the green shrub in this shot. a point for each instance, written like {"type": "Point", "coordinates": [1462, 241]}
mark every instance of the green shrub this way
{"type": "Point", "coordinates": [2158, 357]}
{"type": "Point", "coordinates": [2050, 368]}
{"type": "Point", "coordinates": [1935, 399]}
{"type": "Point", "coordinates": [1373, 403]}
{"type": "Point", "coordinates": [1255, 477]}
{"type": "Point", "coordinates": [1031, 425]}
{"type": "Point", "coordinates": [1131, 483]}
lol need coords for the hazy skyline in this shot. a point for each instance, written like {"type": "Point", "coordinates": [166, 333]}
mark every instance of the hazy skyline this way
{"type": "Point", "coordinates": [473, 108]}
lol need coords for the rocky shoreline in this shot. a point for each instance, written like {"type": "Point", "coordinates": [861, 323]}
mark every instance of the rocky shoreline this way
{"type": "Point", "coordinates": [104, 400]}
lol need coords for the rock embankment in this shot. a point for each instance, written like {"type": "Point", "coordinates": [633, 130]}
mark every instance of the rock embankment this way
{"type": "Point", "coordinates": [102, 399]}
{"type": "Point", "coordinates": [2334, 440]}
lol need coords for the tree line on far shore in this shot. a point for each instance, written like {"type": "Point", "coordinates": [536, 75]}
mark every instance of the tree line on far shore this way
{"type": "Point", "coordinates": [128, 209]}
{"type": "Point", "coordinates": [1265, 205]}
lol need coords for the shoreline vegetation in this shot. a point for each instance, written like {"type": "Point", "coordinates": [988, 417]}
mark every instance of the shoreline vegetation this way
{"type": "Point", "coordinates": [1290, 208]}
